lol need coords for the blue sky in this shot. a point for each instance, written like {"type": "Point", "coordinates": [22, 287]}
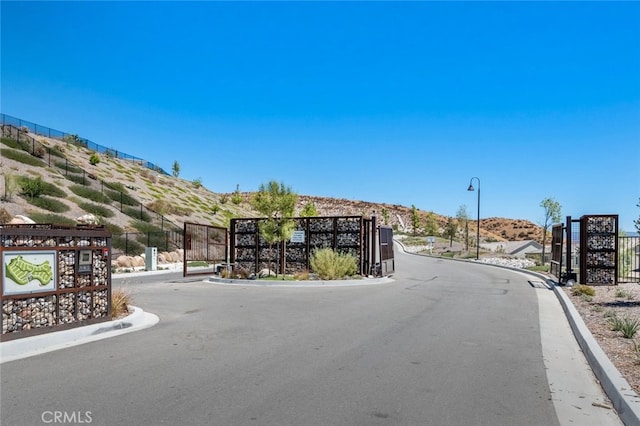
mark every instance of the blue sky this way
{"type": "Point", "coordinates": [397, 102]}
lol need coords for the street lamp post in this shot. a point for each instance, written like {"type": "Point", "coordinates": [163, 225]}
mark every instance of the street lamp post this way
{"type": "Point", "coordinates": [478, 228]}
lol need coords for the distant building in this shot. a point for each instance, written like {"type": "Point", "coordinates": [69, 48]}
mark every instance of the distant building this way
{"type": "Point", "coordinates": [515, 248]}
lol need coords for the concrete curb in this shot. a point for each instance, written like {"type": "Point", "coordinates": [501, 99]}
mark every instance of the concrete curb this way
{"type": "Point", "coordinates": [624, 399]}
{"type": "Point", "coordinates": [43, 343]}
{"type": "Point", "coordinates": [300, 284]}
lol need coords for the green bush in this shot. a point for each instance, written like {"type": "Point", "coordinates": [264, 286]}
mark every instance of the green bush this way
{"type": "Point", "coordinates": [68, 167]}
{"type": "Point", "coordinates": [627, 325]}
{"type": "Point", "coordinates": [116, 186]}
{"type": "Point", "coordinates": [127, 244]}
{"type": "Point", "coordinates": [94, 159]}
{"type": "Point", "coordinates": [119, 196]}
{"type": "Point", "coordinates": [79, 179]}
{"type": "Point", "coordinates": [137, 214]}
{"type": "Point", "coordinates": [32, 188]}
{"type": "Point", "coordinates": [51, 218]}
{"type": "Point", "coordinates": [40, 187]}
{"type": "Point", "coordinates": [22, 157]}
{"type": "Point", "coordinates": [90, 194]}
{"type": "Point", "coordinates": [145, 226]}
{"type": "Point", "coordinates": [581, 289]}
{"type": "Point", "coordinates": [330, 265]}
{"type": "Point", "coordinates": [96, 209]}
{"type": "Point", "coordinates": [21, 145]}
{"type": "Point", "coordinates": [50, 204]}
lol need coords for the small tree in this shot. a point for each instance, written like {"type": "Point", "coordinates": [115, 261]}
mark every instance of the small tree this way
{"type": "Point", "coordinates": [430, 224]}
{"type": "Point", "coordinates": [10, 186]}
{"type": "Point", "coordinates": [236, 198]}
{"type": "Point", "coordinates": [176, 168]}
{"type": "Point", "coordinates": [309, 210]}
{"type": "Point", "coordinates": [463, 220]}
{"type": "Point", "coordinates": [636, 222]}
{"type": "Point", "coordinates": [385, 216]}
{"type": "Point", "coordinates": [415, 220]}
{"type": "Point", "coordinates": [277, 203]}
{"type": "Point", "coordinates": [552, 214]}
{"type": "Point", "coordinates": [451, 229]}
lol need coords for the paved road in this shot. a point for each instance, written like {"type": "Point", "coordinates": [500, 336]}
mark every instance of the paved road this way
{"type": "Point", "coordinates": [445, 344]}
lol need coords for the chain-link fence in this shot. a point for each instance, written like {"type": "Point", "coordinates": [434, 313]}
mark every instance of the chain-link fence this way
{"type": "Point", "coordinates": [26, 126]}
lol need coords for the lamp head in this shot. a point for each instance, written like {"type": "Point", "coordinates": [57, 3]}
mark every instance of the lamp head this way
{"type": "Point", "coordinates": [470, 188]}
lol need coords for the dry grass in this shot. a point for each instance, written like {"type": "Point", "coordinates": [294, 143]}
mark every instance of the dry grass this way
{"type": "Point", "coordinates": [120, 301]}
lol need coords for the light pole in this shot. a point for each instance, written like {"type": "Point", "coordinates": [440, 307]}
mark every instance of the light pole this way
{"type": "Point", "coordinates": [478, 229]}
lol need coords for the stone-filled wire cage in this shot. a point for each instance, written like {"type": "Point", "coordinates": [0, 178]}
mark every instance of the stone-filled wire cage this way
{"type": "Point", "coordinates": [251, 253]}
{"type": "Point", "coordinates": [53, 278]}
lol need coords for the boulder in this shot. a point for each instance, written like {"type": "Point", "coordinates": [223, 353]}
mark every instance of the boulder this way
{"type": "Point", "coordinates": [20, 219]}
{"type": "Point", "coordinates": [137, 261]}
{"type": "Point", "coordinates": [123, 261]}
{"type": "Point", "coordinates": [87, 219]}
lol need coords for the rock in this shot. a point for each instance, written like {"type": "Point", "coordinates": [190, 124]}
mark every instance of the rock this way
{"type": "Point", "coordinates": [20, 219]}
{"type": "Point", "coordinates": [87, 219]}
{"type": "Point", "coordinates": [124, 261]}
{"type": "Point", "coordinates": [266, 273]}
{"type": "Point", "coordinates": [137, 261]}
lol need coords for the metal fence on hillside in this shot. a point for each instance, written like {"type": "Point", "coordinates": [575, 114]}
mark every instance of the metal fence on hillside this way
{"type": "Point", "coordinates": [75, 139]}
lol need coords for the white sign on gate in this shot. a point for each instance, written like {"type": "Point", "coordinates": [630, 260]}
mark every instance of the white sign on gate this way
{"type": "Point", "coordinates": [297, 237]}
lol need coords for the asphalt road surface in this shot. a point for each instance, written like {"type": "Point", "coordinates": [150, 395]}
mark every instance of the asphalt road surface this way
{"type": "Point", "coordinates": [446, 343]}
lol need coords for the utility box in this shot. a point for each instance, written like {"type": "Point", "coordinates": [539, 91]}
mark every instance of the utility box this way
{"type": "Point", "coordinates": [151, 258]}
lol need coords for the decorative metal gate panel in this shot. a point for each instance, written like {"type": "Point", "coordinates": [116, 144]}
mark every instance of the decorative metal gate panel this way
{"type": "Point", "coordinates": [204, 247]}
{"type": "Point", "coordinates": [387, 260]}
{"type": "Point", "coordinates": [251, 254]}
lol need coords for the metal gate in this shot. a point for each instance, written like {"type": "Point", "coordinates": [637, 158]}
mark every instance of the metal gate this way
{"type": "Point", "coordinates": [387, 260]}
{"type": "Point", "coordinates": [205, 247]}
{"type": "Point", "coordinates": [590, 251]}
{"type": "Point", "coordinates": [377, 244]}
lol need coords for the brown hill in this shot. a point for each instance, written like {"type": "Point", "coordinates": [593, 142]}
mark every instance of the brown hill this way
{"type": "Point", "coordinates": [168, 201]}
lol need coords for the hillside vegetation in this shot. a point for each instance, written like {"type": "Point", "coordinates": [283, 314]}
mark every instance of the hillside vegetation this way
{"type": "Point", "coordinates": [128, 197]}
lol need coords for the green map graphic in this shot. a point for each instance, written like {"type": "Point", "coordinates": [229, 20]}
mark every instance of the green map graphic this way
{"type": "Point", "coordinates": [22, 271]}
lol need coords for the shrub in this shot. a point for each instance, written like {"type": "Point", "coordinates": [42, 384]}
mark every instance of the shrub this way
{"type": "Point", "coordinates": [580, 289]}
{"type": "Point", "coordinates": [145, 226]}
{"type": "Point", "coordinates": [96, 209]}
{"type": "Point", "coordinates": [40, 187]}
{"type": "Point", "coordinates": [121, 196]}
{"type": "Point", "coordinates": [22, 157]}
{"type": "Point", "coordinates": [78, 179]}
{"type": "Point", "coordinates": [330, 265]}
{"type": "Point", "coordinates": [94, 158]}
{"type": "Point", "coordinates": [51, 218]}
{"type": "Point", "coordinates": [68, 167]}
{"type": "Point", "coordinates": [12, 143]}
{"type": "Point", "coordinates": [136, 213]}
{"type": "Point", "coordinates": [32, 188]}
{"type": "Point", "coordinates": [90, 194]}
{"type": "Point", "coordinates": [624, 294]}
{"type": "Point", "coordinates": [50, 204]}
{"type": "Point", "coordinates": [127, 244]}
{"type": "Point", "coordinates": [629, 327]}
{"type": "Point", "coordinates": [120, 301]}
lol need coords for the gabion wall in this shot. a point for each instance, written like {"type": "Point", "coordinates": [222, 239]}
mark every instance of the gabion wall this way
{"type": "Point", "coordinates": [251, 253]}
{"type": "Point", "coordinates": [70, 292]}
